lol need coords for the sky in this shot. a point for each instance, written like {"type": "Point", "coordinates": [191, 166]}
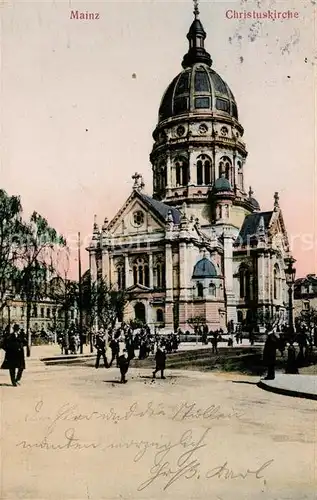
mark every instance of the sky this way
{"type": "Point", "coordinates": [80, 98]}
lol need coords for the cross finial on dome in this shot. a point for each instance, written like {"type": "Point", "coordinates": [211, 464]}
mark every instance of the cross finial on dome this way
{"type": "Point", "coordinates": [196, 9]}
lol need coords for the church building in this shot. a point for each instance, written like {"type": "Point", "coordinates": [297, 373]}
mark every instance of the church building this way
{"type": "Point", "coordinates": [199, 246]}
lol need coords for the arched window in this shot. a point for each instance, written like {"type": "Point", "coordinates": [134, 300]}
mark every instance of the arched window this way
{"type": "Point", "coordinates": [120, 277]}
{"type": "Point", "coordinates": [240, 175]}
{"type": "Point", "coordinates": [159, 316]}
{"type": "Point", "coordinates": [203, 170]}
{"type": "Point", "coordinates": [276, 283]}
{"type": "Point", "coordinates": [212, 289]}
{"type": "Point", "coordinates": [240, 317]}
{"type": "Point", "coordinates": [181, 171]}
{"type": "Point", "coordinates": [225, 168]}
{"type": "Point", "coordinates": [160, 274]}
{"type": "Point", "coordinates": [245, 282]}
{"type": "Point", "coordinates": [200, 290]}
{"type": "Point", "coordinates": [141, 272]}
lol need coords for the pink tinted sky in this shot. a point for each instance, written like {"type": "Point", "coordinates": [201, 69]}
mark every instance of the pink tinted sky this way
{"type": "Point", "coordinates": [75, 124]}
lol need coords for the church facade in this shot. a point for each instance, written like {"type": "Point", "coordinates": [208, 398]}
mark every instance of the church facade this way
{"type": "Point", "coordinates": [200, 246]}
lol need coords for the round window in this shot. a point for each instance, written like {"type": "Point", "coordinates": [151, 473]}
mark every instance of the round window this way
{"type": "Point", "coordinates": [138, 218]}
{"type": "Point", "coordinates": [202, 128]}
{"type": "Point", "coordinates": [224, 131]}
{"type": "Point", "coordinates": [180, 130]}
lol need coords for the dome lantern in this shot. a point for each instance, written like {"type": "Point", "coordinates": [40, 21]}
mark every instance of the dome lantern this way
{"type": "Point", "coordinates": [196, 37]}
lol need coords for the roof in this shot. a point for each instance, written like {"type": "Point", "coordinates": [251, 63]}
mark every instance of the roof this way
{"type": "Point", "coordinates": [250, 226]}
{"type": "Point", "coordinates": [161, 209]}
{"type": "Point", "coordinates": [222, 184]}
{"type": "Point", "coordinates": [204, 269]}
{"type": "Point", "coordinates": [199, 89]}
{"type": "Point", "coordinates": [254, 203]}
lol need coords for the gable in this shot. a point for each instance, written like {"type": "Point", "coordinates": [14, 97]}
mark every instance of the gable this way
{"type": "Point", "coordinates": [248, 231]}
{"type": "Point", "coordinates": [135, 218]}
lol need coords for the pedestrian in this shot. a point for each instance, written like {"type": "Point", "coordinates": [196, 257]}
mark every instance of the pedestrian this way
{"type": "Point", "coordinates": [291, 363]}
{"type": "Point", "coordinates": [160, 359]}
{"type": "Point", "coordinates": [214, 342]}
{"type": "Point", "coordinates": [14, 359]}
{"type": "Point", "coordinates": [115, 349]}
{"type": "Point", "coordinates": [269, 354]}
{"type": "Point", "coordinates": [100, 345]}
{"type": "Point", "coordinates": [123, 362]}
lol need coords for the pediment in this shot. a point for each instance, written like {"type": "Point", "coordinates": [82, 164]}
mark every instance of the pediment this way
{"type": "Point", "coordinates": [135, 218]}
{"type": "Point", "coordinates": [138, 289]}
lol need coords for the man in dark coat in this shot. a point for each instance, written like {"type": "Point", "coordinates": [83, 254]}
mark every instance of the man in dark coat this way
{"type": "Point", "coordinates": [115, 348]}
{"type": "Point", "coordinates": [14, 359]}
{"type": "Point", "coordinates": [160, 359]}
{"type": "Point", "coordinates": [100, 345]}
{"type": "Point", "coordinates": [269, 354]}
{"type": "Point", "coordinates": [123, 362]}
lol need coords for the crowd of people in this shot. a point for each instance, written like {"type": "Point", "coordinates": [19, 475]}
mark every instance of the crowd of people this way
{"type": "Point", "coordinates": [126, 343]}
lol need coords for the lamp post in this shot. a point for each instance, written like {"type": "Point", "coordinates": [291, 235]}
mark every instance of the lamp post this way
{"type": "Point", "coordinates": [290, 273]}
{"type": "Point", "coordinates": [8, 304]}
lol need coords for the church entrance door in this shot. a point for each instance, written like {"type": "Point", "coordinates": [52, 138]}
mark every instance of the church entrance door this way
{"type": "Point", "coordinates": [139, 311]}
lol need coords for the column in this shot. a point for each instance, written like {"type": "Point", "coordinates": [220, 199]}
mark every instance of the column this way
{"type": "Point", "coordinates": [127, 272]}
{"type": "Point", "coordinates": [93, 265]}
{"type": "Point", "coordinates": [105, 265]}
{"type": "Point", "coordinates": [151, 284]}
{"type": "Point", "coordinates": [169, 316]}
{"type": "Point", "coordinates": [193, 169]}
{"type": "Point", "coordinates": [182, 271]}
{"type": "Point", "coordinates": [111, 277]}
{"type": "Point", "coordinates": [261, 278]}
{"type": "Point", "coordinates": [169, 170]}
{"type": "Point", "coordinates": [228, 272]}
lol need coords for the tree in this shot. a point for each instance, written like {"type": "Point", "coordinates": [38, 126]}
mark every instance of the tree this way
{"type": "Point", "coordinates": [37, 247]}
{"type": "Point", "coordinates": [102, 302]}
{"type": "Point", "coordinates": [12, 229]}
{"type": "Point", "coordinates": [196, 322]}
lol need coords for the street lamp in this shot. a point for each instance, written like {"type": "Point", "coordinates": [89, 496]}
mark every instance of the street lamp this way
{"type": "Point", "coordinates": [290, 273]}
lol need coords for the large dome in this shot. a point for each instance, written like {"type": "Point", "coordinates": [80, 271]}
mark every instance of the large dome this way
{"type": "Point", "coordinates": [197, 89]}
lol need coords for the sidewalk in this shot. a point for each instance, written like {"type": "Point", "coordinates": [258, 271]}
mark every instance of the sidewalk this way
{"type": "Point", "coordinates": [299, 386]}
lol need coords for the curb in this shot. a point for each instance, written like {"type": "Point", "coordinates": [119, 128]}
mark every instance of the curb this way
{"type": "Point", "coordinates": [286, 392]}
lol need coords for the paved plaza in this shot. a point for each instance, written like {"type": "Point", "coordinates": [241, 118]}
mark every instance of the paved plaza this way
{"type": "Point", "coordinates": [75, 433]}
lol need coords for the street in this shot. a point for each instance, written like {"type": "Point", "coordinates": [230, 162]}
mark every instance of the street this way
{"type": "Point", "coordinates": [74, 433]}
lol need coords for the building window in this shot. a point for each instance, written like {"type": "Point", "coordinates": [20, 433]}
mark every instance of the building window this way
{"type": "Point", "coordinates": [212, 289]}
{"type": "Point", "coordinates": [183, 84]}
{"type": "Point", "coordinates": [225, 168]}
{"type": "Point", "coordinates": [245, 283]}
{"type": "Point", "coordinates": [160, 275]}
{"type": "Point", "coordinates": [203, 170]}
{"type": "Point", "coordinates": [223, 105]}
{"type": "Point", "coordinates": [141, 273]}
{"type": "Point", "coordinates": [138, 218]}
{"type": "Point", "coordinates": [306, 306]}
{"type": "Point", "coordinates": [34, 313]}
{"type": "Point", "coordinates": [180, 104]}
{"type": "Point", "coordinates": [202, 103]}
{"type": "Point", "coordinates": [48, 313]}
{"type": "Point", "coordinates": [120, 277]}
{"type": "Point", "coordinates": [42, 312]}
{"type": "Point", "coordinates": [72, 314]}
{"type": "Point", "coordinates": [159, 316]}
{"type": "Point", "coordinates": [276, 283]}
{"type": "Point", "coordinates": [240, 175]}
{"type": "Point", "coordinates": [181, 171]}
{"type": "Point", "coordinates": [201, 82]}
{"type": "Point", "coordinates": [200, 290]}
